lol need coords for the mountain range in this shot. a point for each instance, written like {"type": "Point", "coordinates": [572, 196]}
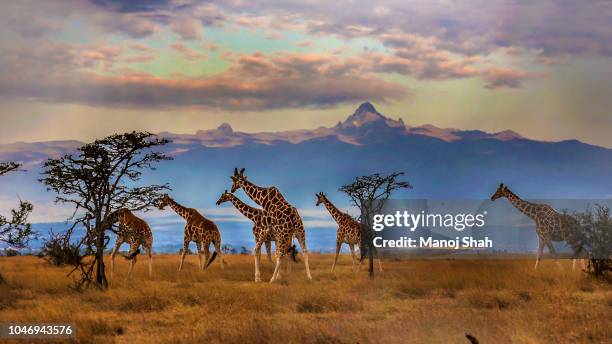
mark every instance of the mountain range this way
{"type": "Point", "coordinates": [438, 162]}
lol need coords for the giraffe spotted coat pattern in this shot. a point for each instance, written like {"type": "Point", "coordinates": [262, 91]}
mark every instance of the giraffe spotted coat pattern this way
{"type": "Point", "coordinates": [134, 231]}
{"type": "Point", "coordinates": [198, 229]}
{"type": "Point", "coordinates": [262, 224]}
{"type": "Point", "coordinates": [287, 220]}
{"type": "Point", "coordinates": [550, 225]}
{"type": "Point", "coordinates": [349, 230]}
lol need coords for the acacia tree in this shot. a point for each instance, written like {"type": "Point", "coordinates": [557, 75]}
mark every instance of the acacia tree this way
{"type": "Point", "coordinates": [16, 231]}
{"type": "Point", "coordinates": [596, 227]}
{"type": "Point", "coordinates": [369, 194]}
{"type": "Point", "coordinates": [98, 179]}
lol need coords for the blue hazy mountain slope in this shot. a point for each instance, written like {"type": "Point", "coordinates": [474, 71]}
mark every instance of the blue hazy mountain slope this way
{"type": "Point", "coordinates": [439, 163]}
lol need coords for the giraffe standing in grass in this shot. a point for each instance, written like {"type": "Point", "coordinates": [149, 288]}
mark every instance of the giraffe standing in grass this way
{"type": "Point", "coordinates": [262, 224]}
{"type": "Point", "coordinates": [198, 229]}
{"type": "Point", "coordinates": [287, 221]}
{"type": "Point", "coordinates": [134, 231]}
{"type": "Point", "coordinates": [550, 225]}
{"type": "Point", "coordinates": [349, 230]}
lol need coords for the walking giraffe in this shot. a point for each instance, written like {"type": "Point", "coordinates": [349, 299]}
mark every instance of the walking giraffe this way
{"type": "Point", "coordinates": [262, 224]}
{"type": "Point", "coordinates": [550, 225]}
{"type": "Point", "coordinates": [262, 227]}
{"type": "Point", "coordinates": [198, 229]}
{"type": "Point", "coordinates": [349, 230]}
{"type": "Point", "coordinates": [287, 221]}
{"type": "Point", "coordinates": [134, 231]}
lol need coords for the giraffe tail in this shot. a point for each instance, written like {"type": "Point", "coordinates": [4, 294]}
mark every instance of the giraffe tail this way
{"type": "Point", "coordinates": [132, 255]}
{"type": "Point", "coordinates": [214, 255]}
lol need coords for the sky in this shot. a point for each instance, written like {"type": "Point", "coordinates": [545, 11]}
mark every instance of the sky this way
{"type": "Point", "coordinates": [84, 69]}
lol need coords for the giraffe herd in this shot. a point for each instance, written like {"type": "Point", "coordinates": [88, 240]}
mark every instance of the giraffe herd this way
{"type": "Point", "coordinates": [277, 220]}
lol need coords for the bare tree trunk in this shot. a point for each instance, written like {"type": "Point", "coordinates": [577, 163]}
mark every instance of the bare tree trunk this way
{"type": "Point", "coordinates": [366, 241]}
{"type": "Point", "coordinates": [101, 280]}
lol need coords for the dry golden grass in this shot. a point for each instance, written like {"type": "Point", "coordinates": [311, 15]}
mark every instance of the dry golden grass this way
{"type": "Point", "coordinates": [418, 301]}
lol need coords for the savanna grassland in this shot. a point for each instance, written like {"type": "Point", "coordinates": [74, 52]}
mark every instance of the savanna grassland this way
{"type": "Point", "coordinates": [416, 301]}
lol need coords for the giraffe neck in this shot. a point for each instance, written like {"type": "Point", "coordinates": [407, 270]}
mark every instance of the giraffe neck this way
{"type": "Point", "coordinates": [243, 208]}
{"type": "Point", "coordinates": [179, 209]}
{"type": "Point", "coordinates": [335, 213]}
{"type": "Point", "coordinates": [257, 193]}
{"type": "Point", "coordinates": [113, 218]}
{"type": "Point", "coordinates": [519, 203]}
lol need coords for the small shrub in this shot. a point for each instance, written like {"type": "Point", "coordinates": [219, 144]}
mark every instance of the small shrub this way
{"type": "Point", "coordinates": [57, 251]}
{"type": "Point", "coordinates": [11, 253]}
{"type": "Point", "coordinates": [596, 226]}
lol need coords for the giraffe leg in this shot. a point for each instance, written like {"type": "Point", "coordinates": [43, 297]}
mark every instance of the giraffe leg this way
{"type": "Point", "coordinates": [277, 267]}
{"type": "Point", "coordinates": [206, 248]}
{"type": "Point", "coordinates": [352, 247]}
{"type": "Point", "coordinates": [150, 254]}
{"type": "Point", "coordinates": [185, 248]}
{"type": "Point", "coordinates": [282, 247]}
{"type": "Point", "coordinates": [338, 246]}
{"type": "Point", "coordinates": [302, 241]}
{"type": "Point", "coordinates": [288, 258]}
{"type": "Point", "coordinates": [133, 248]}
{"type": "Point", "coordinates": [219, 253]}
{"type": "Point", "coordinates": [257, 255]}
{"type": "Point", "coordinates": [112, 256]}
{"type": "Point", "coordinates": [540, 251]}
{"type": "Point", "coordinates": [199, 248]}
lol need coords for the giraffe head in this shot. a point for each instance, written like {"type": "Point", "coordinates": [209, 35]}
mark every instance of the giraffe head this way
{"type": "Point", "coordinates": [321, 198]}
{"type": "Point", "coordinates": [115, 216]}
{"type": "Point", "coordinates": [165, 200]}
{"type": "Point", "coordinates": [502, 191]}
{"type": "Point", "coordinates": [225, 197]}
{"type": "Point", "coordinates": [238, 179]}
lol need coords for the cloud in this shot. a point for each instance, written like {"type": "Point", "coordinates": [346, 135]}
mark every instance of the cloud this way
{"type": "Point", "coordinates": [187, 27]}
{"type": "Point", "coordinates": [132, 25]}
{"type": "Point", "coordinates": [188, 53]}
{"type": "Point", "coordinates": [305, 44]}
{"type": "Point", "coordinates": [468, 27]}
{"type": "Point", "coordinates": [253, 82]}
{"type": "Point", "coordinates": [500, 77]}
{"type": "Point", "coordinates": [440, 41]}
